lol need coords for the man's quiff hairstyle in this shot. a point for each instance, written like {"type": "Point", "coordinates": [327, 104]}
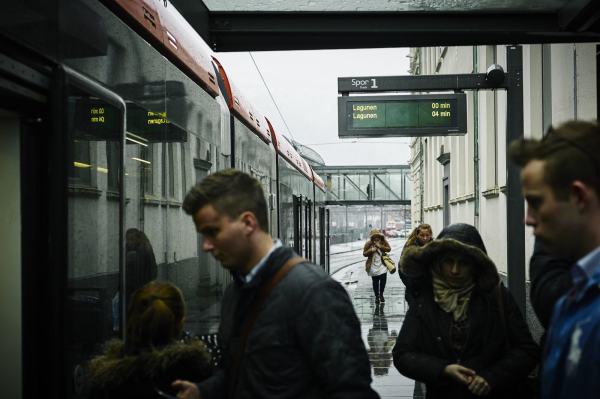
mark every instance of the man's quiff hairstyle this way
{"type": "Point", "coordinates": [571, 152]}
{"type": "Point", "coordinates": [231, 192]}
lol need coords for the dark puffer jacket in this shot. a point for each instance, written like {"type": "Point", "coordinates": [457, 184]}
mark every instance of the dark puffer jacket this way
{"type": "Point", "coordinates": [550, 277]}
{"type": "Point", "coordinates": [305, 343]}
{"type": "Point", "coordinates": [115, 376]}
{"type": "Point", "coordinates": [423, 348]}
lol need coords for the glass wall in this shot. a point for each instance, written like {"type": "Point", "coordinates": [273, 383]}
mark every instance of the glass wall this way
{"type": "Point", "coordinates": [366, 183]}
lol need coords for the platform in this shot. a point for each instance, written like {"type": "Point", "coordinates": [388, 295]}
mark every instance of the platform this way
{"type": "Point", "coordinates": [380, 324]}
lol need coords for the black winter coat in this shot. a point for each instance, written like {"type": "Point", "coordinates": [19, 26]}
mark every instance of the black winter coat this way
{"type": "Point", "coordinates": [305, 343]}
{"type": "Point", "coordinates": [550, 278]}
{"type": "Point", "coordinates": [423, 348]}
{"type": "Point", "coordinates": [411, 285]}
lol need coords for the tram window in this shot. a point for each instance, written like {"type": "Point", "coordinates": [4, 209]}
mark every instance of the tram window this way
{"type": "Point", "coordinates": [171, 171]}
{"type": "Point", "coordinates": [209, 128]}
{"type": "Point", "coordinates": [80, 172]}
{"type": "Point", "coordinates": [183, 172]}
{"type": "Point", "coordinates": [164, 170]}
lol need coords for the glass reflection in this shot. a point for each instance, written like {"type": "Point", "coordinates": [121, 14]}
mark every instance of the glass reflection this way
{"type": "Point", "coordinates": [140, 268]}
{"type": "Point", "coordinates": [94, 128]}
{"type": "Point", "coordinates": [381, 342]}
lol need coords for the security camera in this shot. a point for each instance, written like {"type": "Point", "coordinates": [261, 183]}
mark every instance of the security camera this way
{"type": "Point", "coordinates": [495, 75]}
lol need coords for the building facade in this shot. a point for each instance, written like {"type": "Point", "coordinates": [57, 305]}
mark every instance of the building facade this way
{"type": "Point", "coordinates": [463, 178]}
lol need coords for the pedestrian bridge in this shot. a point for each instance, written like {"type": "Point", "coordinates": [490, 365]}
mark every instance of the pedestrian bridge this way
{"type": "Point", "coordinates": [367, 184]}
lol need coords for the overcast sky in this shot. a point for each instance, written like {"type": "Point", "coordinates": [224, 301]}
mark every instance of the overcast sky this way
{"type": "Point", "coordinates": [304, 87]}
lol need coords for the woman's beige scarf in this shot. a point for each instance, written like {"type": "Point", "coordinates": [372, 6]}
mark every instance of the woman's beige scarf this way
{"type": "Point", "coordinates": [452, 299]}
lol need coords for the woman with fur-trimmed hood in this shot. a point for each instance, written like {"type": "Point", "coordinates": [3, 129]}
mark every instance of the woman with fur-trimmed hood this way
{"type": "Point", "coordinates": [374, 249]}
{"type": "Point", "coordinates": [153, 355]}
{"type": "Point", "coordinates": [464, 335]}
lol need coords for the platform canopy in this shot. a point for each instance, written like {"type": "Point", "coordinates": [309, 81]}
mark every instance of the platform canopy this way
{"type": "Point", "coordinates": [254, 25]}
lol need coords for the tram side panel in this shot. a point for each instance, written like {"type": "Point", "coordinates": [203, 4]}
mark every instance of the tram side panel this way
{"type": "Point", "coordinates": [173, 140]}
{"type": "Point", "coordinates": [257, 158]}
{"type": "Point", "coordinates": [294, 190]}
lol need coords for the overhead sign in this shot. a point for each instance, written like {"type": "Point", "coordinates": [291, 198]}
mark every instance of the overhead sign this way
{"type": "Point", "coordinates": [402, 115]}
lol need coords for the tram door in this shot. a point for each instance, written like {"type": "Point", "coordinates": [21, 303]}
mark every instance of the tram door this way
{"type": "Point", "coordinates": [298, 224]}
{"type": "Point", "coordinates": [10, 252]}
{"type": "Point", "coordinates": [327, 240]}
{"type": "Point", "coordinates": [303, 226]}
{"type": "Point", "coordinates": [308, 231]}
{"type": "Point", "coordinates": [94, 125]}
{"type": "Point", "coordinates": [322, 235]}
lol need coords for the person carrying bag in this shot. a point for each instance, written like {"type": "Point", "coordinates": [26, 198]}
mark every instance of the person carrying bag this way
{"type": "Point", "coordinates": [378, 262]}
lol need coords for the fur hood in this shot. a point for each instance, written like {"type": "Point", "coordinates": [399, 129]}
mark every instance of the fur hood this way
{"type": "Point", "coordinates": [462, 239]}
{"type": "Point", "coordinates": [112, 369]}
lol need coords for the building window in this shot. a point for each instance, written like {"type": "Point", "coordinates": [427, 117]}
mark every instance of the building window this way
{"type": "Point", "coordinates": [112, 160]}
{"type": "Point", "coordinates": [183, 172]}
{"type": "Point", "coordinates": [80, 172]}
{"type": "Point", "coordinates": [171, 171]}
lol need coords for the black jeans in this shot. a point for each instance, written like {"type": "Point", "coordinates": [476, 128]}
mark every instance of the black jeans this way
{"type": "Point", "coordinates": [379, 284]}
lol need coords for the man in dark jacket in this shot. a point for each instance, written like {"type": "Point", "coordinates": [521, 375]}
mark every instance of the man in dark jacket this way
{"type": "Point", "coordinates": [560, 179]}
{"type": "Point", "coordinates": [550, 278]}
{"type": "Point", "coordinates": [305, 341]}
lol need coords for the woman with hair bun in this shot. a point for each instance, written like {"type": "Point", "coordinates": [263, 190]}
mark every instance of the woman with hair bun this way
{"type": "Point", "coordinates": [153, 355]}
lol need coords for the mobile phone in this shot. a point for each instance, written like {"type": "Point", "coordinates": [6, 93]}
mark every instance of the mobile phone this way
{"type": "Point", "coordinates": [164, 394]}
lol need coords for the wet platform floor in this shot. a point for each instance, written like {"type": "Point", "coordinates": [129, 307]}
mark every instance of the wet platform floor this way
{"type": "Point", "coordinates": [380, 324]}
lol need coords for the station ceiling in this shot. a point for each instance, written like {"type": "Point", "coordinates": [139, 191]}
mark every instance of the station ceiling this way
{"type": "Point", "coordinates": [255, 25]}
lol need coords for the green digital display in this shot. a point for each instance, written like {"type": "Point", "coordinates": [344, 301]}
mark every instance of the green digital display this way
{"type": "Point", "coordinates": [407, 115]}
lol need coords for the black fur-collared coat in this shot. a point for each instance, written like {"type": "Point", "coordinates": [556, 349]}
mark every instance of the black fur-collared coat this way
{"type": "Point", "coordinates": [502, 353]}
{"type": "Point", "coordinates": [114, 375]}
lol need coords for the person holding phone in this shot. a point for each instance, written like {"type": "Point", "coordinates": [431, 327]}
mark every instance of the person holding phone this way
{"type": "Point", "coordinates": [153, 354]}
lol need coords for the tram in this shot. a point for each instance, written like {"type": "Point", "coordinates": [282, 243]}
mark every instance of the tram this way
{"type": "Point", "coordinates": [111, 110]}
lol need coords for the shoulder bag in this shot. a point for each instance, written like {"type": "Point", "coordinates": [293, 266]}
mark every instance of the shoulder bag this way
{"type": "Point", "coordinates": [389, 263]}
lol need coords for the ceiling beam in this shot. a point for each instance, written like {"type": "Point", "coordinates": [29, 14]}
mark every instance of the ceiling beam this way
{"type": "Point", "coordinates": [256, 31]}
{"type": "Point", "coordinates": [580, 15]}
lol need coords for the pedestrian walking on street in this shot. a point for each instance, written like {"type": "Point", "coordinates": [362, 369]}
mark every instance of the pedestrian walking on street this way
{"type": "Point", "coordinates": [374, 250]}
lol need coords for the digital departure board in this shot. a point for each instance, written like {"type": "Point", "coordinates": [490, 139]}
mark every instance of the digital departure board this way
{"type": "Point", "coordinates": [154, 126]}
{"type": "Point", "coordinates": [402, 115]}
{"type": "Point", "coordinates": [95, 119]}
